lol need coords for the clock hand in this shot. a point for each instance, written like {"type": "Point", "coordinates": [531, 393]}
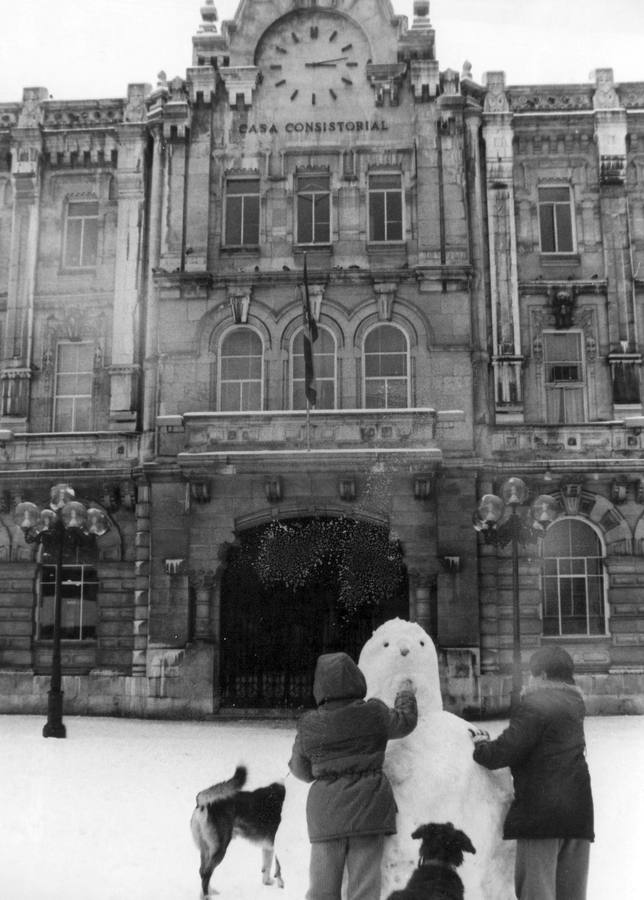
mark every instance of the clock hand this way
{"type": "Point", "coordinates": [325, 62]}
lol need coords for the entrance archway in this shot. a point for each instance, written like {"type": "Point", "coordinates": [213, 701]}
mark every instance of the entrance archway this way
{"type": "Point", "coordinates": [290, 592]}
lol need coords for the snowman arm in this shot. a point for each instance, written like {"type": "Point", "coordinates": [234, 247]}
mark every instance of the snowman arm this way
{"type": "Point", "coordinates": [514, 744]}
{"type": "Point", "coordinates": [299, 763]}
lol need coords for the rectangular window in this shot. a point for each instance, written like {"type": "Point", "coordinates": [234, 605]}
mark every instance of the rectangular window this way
{"type": "Point", "coordinates": [385, 208]}
{"type": "Point", "coordinates": [564, 375]}
{"type": "Point", "coordinates": [81, 235]}
{"type": "Point", "coordinates": [242, 212]}
{"type": "Point", "coordinates": [555, 220]}
{"type": "Point", "coordinates": [313, 209]}
{"type": "Point", "coordinates": [73, 386]}
{"type": "Point", "coordinates": [79, 603]}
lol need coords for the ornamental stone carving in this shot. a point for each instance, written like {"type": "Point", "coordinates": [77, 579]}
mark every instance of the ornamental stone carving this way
{"type": "Point", "coordinates": [605, 96]}
{"type": "Point", "coordinates": [496, 100]}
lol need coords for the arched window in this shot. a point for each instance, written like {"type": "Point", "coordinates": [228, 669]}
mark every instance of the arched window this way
{"type": "Point", "coordinates": [240, 371]}
{"type": "Point", "coordinates": [573, 581]}
{"type": "Point", "coordinates": [324, 369]}
{"type": "Point", "coordinates": [386, 368]}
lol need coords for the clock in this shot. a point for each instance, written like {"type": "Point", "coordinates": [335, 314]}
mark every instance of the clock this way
{"type": "Point", "coordinates": [313, 57]}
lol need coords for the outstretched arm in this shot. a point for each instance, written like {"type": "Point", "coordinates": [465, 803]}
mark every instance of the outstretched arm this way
{"type": "Point", "coordinates": [514, 744]}
{"type": "Point", "coordinates": [404, 716]}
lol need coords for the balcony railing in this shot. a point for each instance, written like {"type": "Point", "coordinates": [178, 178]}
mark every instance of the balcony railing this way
{"type": "Point", "coordinates": [321, 430]}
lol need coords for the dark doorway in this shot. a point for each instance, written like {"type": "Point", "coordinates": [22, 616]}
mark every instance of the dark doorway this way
{"type": "Point", "coordinates": [271, 634]}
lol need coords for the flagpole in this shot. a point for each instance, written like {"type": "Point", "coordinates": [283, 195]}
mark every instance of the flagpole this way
{"type": "Point", "coordinates": [309, 337]}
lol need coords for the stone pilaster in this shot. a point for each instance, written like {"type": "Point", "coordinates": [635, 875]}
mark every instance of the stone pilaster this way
{"type": "Point", "coordinates": [26, 174]}
{"type": "Point", "coordinates": [504, 282]}
{"type": "Point", "coordinates": [202, 582]}
{"type": "Point", "coordinates": [130, 195]}
{"type": "Point", "coordinates": [141, 581]}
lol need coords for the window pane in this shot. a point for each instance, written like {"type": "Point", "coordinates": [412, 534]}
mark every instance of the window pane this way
{"type": "Point", "coordinates": [394, 217]}
{"type": "Point", "coordinates": [242, 186]}
{"type": "Point", "coordinates": [385, 338]}
{"type": "Point", "coordinates": [384, 181]}
{"type": "Point", "coordinates": [90, 242]}
{"type": "Point", "coordinates": [230, 397]}
{"type": "Point", "coordinates": [82, 414]}
{"type": "Point", "coordinates": [375, 394]}
{"type": "Point", "coordinates": [554, 194]}
{"type": "Point", "coordinates": [82, 208]}
{"type": "Point", "coordinates": [547, 226]}
{"type": "Point", "coordinates": [322, 219]}
{"type": "Point", "coordinates": [251, 220]}
{"type": "Point", "coordinates": [377, 217]}
{"type": "Point", "coordinates": [73, 242]}
{"type": "Point", "coordinates": [564, 229]}
{"type": "Point", "coordinates": [304, 220]}
{"type": "Point", "coordinates": [233, 220]}
{"type": "Point", "coordinates": [396, 394]}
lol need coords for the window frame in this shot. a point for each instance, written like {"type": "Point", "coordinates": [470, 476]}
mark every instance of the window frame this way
{"type": "Point", "coordinates": [369, 378]}
{"type": "Point", "coordinates": [225, 381]}
{"type": "Point", "coordinates": [68, 263]}
{"type": "Point", "coordinates": [86, 571]}
{"type": "Point", "coordinates": [57, 397]}
{"type": "Point", "coordinates": [388, 222]}
{"type": "Point", "coordinates": [600, 579]}
{"type": "Point", "coordinates": [318, 379]}
{"type": "Point", "coordinates": [556, 226]}
{"type": "Point", "coordinates": [244, 198]}
{"type": "Point", "coordinates": [552, 385]}
{"type": "Point", "coordinates": [316, 194]}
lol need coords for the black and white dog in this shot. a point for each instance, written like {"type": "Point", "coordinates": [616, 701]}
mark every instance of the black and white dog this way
{"type": "Point", "coordinates": [225, 811]}
{"type": "Point", "coordinates": [441, 852]}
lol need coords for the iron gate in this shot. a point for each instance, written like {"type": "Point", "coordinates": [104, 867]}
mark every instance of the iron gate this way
{"type": "Point", "coordinates": [271, 637]}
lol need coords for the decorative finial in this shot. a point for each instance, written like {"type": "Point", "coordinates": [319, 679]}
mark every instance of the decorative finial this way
{"type": "Point", "coordinates": [208, 18]}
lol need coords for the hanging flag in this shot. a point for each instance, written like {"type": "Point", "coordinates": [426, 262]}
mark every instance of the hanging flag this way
{"type": "Point", "coordinates": [310, 336]}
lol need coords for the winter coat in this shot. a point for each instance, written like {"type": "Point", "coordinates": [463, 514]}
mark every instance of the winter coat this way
{"type": "Point", "coordinates": [340, 747]}
{"type": "Point", "coordinates": [544, 747]}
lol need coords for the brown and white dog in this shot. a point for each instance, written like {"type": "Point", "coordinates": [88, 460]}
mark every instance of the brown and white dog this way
{"type": "Point", "coordinates": [225, 811]}
{"type": "Point", "coordinates": [441, 852]}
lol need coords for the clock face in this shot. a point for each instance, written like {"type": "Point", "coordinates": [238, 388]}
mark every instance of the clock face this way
{"type": "Point", "coordinates": [314, 58]}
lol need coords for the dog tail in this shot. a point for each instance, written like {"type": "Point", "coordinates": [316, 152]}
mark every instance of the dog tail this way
{"type": "Point", "coordinates": [224, 789]}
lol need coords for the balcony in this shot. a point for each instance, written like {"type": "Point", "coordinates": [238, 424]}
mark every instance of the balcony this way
{"type": "Point", "coordinates": [103, 450]}
{"type": "Point", "coordinates": [615, 439]}
{"type": "Point", "coordinates": [423, 433]}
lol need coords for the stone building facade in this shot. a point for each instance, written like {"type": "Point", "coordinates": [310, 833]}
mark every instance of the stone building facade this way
{"type": "Point", "coordinates": [473, 256]}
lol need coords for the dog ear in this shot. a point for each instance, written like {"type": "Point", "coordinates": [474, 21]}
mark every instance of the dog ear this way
{"type": "Point", "coordinates": [466, 843]}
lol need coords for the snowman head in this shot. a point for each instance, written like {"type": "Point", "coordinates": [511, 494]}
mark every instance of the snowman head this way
{"type": "Point", "coordinates": [397, 650]}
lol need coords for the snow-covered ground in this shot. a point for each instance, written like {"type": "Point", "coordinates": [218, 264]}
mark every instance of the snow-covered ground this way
{"type": "Point", "coordinates": [104, 814]}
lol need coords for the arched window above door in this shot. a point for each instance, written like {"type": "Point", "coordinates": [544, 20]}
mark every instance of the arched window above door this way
{"type": "Point", "coordinates": [574, 594]}
{"type": "Point", "coordinates": [386, 368]}
{"type": "Point", "coordinates": [324, 369]}
{"type": "Point", "coordinates": [240, 371]}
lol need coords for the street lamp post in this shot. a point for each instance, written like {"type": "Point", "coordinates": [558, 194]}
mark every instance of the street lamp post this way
{"type": "Point", "coordinates": [65, 523]}
{"type": "Point", "coordinates": [514, 530]}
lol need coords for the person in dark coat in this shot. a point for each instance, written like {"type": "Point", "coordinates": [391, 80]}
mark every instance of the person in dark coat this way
{"type": "Point", "coordinates": [551, 816]}
{"type": "Point", "coordinates": [340, 747]}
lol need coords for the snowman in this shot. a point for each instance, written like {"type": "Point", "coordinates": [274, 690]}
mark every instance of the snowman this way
{"type": "Point", "coordinates": [433, 775]}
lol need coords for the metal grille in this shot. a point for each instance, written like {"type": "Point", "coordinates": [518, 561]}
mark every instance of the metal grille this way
{"type": "Point", "coordinates": [271, 637]}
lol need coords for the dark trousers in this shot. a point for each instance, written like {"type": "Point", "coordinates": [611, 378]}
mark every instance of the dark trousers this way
{"type": "Point", "coordinates": [362, 856]}
{"type": "Point", "coordinates": [552, 869]}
